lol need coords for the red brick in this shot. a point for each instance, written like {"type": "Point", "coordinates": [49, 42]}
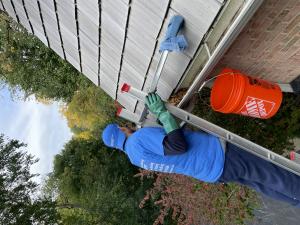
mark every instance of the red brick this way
{"type": "Point", "coordinates": [292, 4]}
{"type": "Point", "coordinates": [292, 13]}
{"type": "Point", "coordinates": [270, 3]}
{"type": "Point", "coordinates": [293, 51]}
{"type": "Point", "coordinates": [292, 33]}
{"type": "Point", "coordinates": [269, 46]}
{"type": "Point", "coordinates": [293, 23]}
{"type": "Point", "coordinates": [291, 43]}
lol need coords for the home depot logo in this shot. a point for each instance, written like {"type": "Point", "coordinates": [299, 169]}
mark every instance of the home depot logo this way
{"type": "Point", "coordinates": [256, 107]}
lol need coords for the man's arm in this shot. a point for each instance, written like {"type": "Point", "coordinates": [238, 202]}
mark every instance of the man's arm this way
{"type": "Point", "coordinates": [174, 143]}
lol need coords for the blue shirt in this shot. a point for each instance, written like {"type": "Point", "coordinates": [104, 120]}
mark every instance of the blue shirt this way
{"type": "Point", "coordinates": [204, 159]}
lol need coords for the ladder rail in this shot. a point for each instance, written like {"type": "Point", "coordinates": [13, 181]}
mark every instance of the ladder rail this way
{"type": "Point", "coordinates": [171, 42]}
{"type": "Point", "coordinates": [224, 134]}
{"type": "Point", "coordinates": [154, 82]}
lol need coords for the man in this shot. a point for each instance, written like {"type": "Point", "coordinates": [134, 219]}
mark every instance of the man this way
{"type": "Point", "coordinates": [200, 155]}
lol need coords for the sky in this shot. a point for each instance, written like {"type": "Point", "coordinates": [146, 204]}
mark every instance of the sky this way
{"type": "Point", "coordinates": [40, 126]}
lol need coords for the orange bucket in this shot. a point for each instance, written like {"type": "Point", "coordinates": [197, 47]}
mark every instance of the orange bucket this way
{"type": "Point", "coordinates": [234, 92]}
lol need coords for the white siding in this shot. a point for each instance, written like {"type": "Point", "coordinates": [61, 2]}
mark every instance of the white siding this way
{"type": "Point", "coordinates": [118, 41]}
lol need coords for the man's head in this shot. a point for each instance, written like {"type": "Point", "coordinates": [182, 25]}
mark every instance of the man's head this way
{"type": "Point", "coordinates": [114, 136]}
{"type": "Point", "coordinates": [126, 130]}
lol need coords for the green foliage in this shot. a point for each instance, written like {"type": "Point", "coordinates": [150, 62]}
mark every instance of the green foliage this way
{"type": "Point", "coordinates": [17, 206]}
{"type": "Point", "coordinates": [27, 64]}
{"type": "Point", "coordinates": [89, 110]}
{"type": "Point", "coordinates": [98, 184]}
{"type": "Point", "coordinates": [275, 133]}
{"type": "Point", "coordinates": [185, 200]}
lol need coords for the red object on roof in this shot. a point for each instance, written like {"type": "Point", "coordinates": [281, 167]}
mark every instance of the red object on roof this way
{"type": "Point", "coordinates": [119, 110]}
{"type": "Point", "coordinates": [125, 87]}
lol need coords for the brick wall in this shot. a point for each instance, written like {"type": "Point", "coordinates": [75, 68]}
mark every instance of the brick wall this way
{"type": "Point", "coordinates": [269, 46]}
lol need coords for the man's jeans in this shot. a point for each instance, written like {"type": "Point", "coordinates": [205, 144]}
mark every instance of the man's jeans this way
{"type": "Point", "coordinates": [261, 175]}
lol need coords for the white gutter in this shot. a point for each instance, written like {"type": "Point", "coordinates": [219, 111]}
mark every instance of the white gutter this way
{"type": "Point", "coordinates": [233, 31]}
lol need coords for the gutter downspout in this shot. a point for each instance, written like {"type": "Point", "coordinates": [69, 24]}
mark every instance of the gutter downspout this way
{"type": "Point", "coordinates": [236, 27]}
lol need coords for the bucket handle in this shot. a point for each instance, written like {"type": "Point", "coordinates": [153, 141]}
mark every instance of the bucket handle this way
{"type": "Point", "coordinates": [212, 78]}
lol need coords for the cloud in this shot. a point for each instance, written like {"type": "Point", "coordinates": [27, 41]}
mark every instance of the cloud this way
{"type": "Point", "coordinates": [40, 126]}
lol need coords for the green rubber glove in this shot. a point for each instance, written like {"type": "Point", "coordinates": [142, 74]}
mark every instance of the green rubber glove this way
{"type": "Point", "coordinates": [157, 107]}
{"type": "Point", "coordinates": [155, 104]}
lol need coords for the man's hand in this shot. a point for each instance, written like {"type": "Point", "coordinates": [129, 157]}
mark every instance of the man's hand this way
{"type": "Point", "coordinates": [155, 104]}
{"type": "Point", "coordinates": [158, 108]}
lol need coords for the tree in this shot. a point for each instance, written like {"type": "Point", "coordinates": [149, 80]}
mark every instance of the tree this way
{"type": "Point", "coordinates": [27, 64]}
{"type": "Point", "coordinates": [89, 110]}
{"type": "Point", "coordinates": [98, 184]}
{"type": "Point", "coordinates": [18, 203]}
